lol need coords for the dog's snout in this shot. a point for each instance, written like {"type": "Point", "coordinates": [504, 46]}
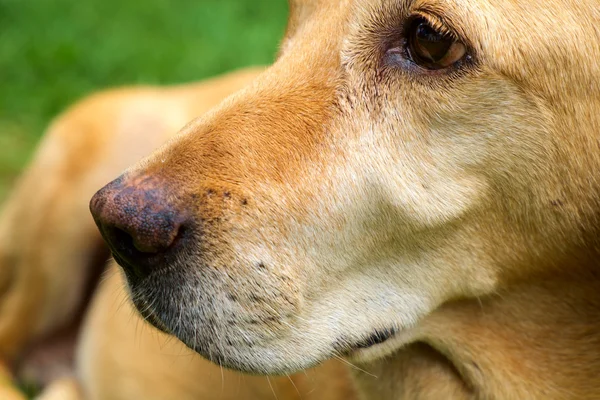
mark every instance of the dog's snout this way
{"type": "Point", "coordinates": [140, 222]}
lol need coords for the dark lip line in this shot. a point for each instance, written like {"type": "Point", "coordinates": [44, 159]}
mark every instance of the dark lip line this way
{"type": "Point", "coordinates": [377, 337]}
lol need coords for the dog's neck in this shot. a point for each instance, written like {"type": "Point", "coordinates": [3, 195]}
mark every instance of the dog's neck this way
{"type": "Point", "coordinates": [536, 341]}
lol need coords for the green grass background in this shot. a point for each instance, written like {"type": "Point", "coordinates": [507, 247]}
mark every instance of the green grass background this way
{"type": "Point", "coordinates": [54, 52]}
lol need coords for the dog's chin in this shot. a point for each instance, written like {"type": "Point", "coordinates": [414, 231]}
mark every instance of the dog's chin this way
{"type": "Point", "coordinates": [259, 359]}
{"type": "Point", "coordinates": [282, 360]}
{"type": "Point", "coordinates": [264, 359]}
{"type": "Point", "coordinates": [216, 336]}
{"type": "Point", "coordinates": [218, 342]}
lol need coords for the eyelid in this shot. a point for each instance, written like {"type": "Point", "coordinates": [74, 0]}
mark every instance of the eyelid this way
{"type": "Point", "coordinates": [436, 23]}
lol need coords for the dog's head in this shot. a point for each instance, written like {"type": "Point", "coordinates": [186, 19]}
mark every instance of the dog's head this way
{"type": "Point", "coordinates": [397, 155]}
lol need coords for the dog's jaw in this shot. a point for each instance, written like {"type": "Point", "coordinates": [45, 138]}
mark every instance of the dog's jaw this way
{"type": "Point", "coordinates": [211, 312]}
{"type": "Point", "coordinates": [280, 345]}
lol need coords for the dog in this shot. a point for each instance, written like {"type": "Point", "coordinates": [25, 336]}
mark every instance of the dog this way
{"type": "Point", "coordinates": [410, 187]}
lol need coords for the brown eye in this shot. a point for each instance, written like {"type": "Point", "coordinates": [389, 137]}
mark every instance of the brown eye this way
{"type": "Point", "coordinates": [431, 48]}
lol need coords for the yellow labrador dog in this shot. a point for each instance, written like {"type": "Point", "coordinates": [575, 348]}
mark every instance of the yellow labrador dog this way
{"type": "Point", "coordinates": [412, 188]}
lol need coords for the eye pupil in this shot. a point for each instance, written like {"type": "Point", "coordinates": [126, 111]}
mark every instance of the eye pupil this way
{"type": "Point", "coordinates": [432, 45]}
{"type": "Point", "coordinates": [426, 32]}
{"type": "Point", "coordinates": [432, 49]}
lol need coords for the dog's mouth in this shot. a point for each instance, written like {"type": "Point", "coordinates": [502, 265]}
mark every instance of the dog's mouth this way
{"type": "Point", "coordinates": [380, 343]}
{"type": "Point", "coordinates": [376, 338]}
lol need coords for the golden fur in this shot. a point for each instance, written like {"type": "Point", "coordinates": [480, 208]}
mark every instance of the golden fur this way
{"type": "Point", "coordinates": [349, 196]}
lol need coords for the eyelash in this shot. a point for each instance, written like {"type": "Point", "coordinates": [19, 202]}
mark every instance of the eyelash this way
{"type": "Point", "coordinates": [435, 22]}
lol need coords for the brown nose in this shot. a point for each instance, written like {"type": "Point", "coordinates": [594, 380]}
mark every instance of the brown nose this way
{"type": "Point", "coordinates": [140, 222]}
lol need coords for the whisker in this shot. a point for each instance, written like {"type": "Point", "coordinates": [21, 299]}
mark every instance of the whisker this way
{"type": "Point", "coordinates": [354, 366]}
{"type": "Point", "coordinates": [294, 385]}
{"type": "Point", "coordinates": [222, 379]}
{"type": "Point", "coordinates": [271, 386]}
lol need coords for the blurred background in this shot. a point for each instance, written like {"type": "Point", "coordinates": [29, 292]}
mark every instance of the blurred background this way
{"type": "Point", "coordinates": [54, 52]}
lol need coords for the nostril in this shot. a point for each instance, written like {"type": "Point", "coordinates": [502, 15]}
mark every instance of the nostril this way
{"type": "Point", "coordinates": [131, 243]}
{"type": "Point", "coordinates": [124, 250]}
{"type": "Point", "coordinates": [180, 232]}
{"type": "Point", "coordinates": [123, 240]}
